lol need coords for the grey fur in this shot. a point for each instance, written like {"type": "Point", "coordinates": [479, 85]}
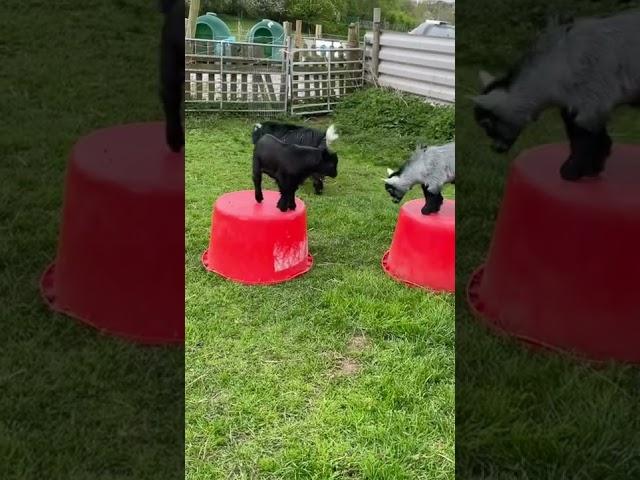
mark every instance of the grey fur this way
{"type": "Point", "coordinates": [431, 166]}
{"type": "Point", "coordinates": [587, 68]}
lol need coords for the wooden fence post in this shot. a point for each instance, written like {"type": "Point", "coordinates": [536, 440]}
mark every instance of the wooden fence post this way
{"type": "Point", "coordinates": [318, 32]}
{"type": "Point", "coordinates": [194, 9]}
{"type": "Point", "coordinates": [299, 43]}
{"type": "Point", "coordinates": [375, 50]}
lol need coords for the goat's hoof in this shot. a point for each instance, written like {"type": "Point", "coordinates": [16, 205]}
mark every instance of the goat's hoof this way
{"type": "Point", "coordinates": [259, 198]}
{"type": "Point", "coordinates": [175, 139]}
{"type": "Point", "coordinates": [428, 210]}
{"type": "Point", "coordinates": [570, 171]}
{"type": "Point", "coordinates": [595, 169]}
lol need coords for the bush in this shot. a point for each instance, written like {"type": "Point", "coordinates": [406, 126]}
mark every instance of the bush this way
{"type": "Point", "coordinates": [388, 124]}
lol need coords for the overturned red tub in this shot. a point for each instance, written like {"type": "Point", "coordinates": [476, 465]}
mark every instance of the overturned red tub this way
{"type": "Point", "coordinates": [255, 243]}
{"type": "Point", "coordinates": [563, 264]}
{"type": "Point", "coordinates": [120, 260]}
{"type": "Point", "coordinates": [422, 251]}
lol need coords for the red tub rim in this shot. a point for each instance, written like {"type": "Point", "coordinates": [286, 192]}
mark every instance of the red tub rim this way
{"type": "Point", "coordinates": [47, 292]}
{"type": "Point", "coordinates": [473, 301]}
{"type": "Point", "coordinates": [385, 267]}
{"type": "Point", "coordinates": [307, 267]}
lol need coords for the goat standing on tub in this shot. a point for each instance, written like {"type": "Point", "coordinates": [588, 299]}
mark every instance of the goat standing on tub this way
{"type": "Point", "coordinates": [432, 168]}
{"type": "Point", "coordinates": [172, 71]}
{"type": "Point", "coordinates": [586, 68]}
{"type": "Point", "coordinates": [291, 133]}
{"type": "Point", "coordinates": [289, 165]}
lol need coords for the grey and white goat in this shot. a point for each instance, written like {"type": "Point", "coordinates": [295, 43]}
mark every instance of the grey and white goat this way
{"type": "Point", "coordinates": [586, 68]}
{"type": "Point", "coordinates": [431, 167]}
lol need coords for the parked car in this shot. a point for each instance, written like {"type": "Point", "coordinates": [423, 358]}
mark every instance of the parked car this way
{"type": "Point", "coordinates": [435, 28]}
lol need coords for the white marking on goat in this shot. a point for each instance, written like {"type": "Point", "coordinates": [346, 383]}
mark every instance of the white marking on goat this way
{"type": "Point", "coordinates": [331, 134]}
{"type": "Point", "coordinates": [257, 126]}
{"type": "Point", "coordinates": [389, 171]}
{"type": "Point", "coordinates": [287, 256]}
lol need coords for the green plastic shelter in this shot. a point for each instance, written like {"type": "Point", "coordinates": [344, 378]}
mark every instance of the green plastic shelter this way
{"type": "Point", "coordinates": [270, 33]}
{"type": "Point", "coordinates": [210, 27]}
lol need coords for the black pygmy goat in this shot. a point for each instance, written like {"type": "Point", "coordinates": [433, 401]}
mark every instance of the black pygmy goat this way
{"type": "Point", "coordinates": [172, 71]}
{"type": "Point", "coordinates": [289, 165]}
{"type": "Point", "coordinates": [291, 133]}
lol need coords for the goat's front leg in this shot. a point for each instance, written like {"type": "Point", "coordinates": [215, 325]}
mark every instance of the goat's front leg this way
{"type": "Point", "coordinates": [257, 179]}
{"type": "Point", "coordinates": [284, 188]}
{"type": "Point", "coordinates": [603, 150]}
{"type": "Point", "coordinates": [290, 196]}
{"type": "Point", "coordinates": [433, 200]}
{"type": "Point", "coordinates": [589, 150]}
{"type": "Point", "coordinates": [318, 184]}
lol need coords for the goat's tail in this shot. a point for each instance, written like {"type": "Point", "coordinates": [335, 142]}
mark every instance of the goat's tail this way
{"type": "Point", "coordinates": [331, 134]}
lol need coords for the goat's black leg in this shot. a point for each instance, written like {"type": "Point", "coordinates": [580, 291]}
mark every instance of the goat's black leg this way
{"type": "Point", "coordinates": [318, 184]}
{"type": "Point", "coordinates": [284, 188]}
{"type": "Point", "coordinates": [290, 193]}
{"type": "Point", "coordinates": [257, 179]}
{"type": "Point", "coordinates": [433, 201]}
{"type": "Point", "coordinates": [172, 74]}
{"type": "Point", "coordinates": [601, 154]}
{"type": "Point", "coordinates": [589, 150]}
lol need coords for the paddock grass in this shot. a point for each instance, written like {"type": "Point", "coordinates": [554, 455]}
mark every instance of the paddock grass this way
{"type": "Point", "coordinates": [342, 373]}
{"type": "Point", "coordinates": [521, 414]}
{"type": "Point", "coordinates": [74, 404]}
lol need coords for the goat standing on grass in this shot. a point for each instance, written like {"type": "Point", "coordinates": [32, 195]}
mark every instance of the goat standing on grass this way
{"type": "Point", "coordinates": [587, 68]}
{"type": "Point", "coordinates": [432, 168]}
{"type": "Point", "coordinates": [291, 133]}
{"type": "Point", "coordinates": [289, 165]}
{"type": "Point", "coordinates": [172, 71]}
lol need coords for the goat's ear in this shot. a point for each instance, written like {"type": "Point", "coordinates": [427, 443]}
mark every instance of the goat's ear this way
{"type": "Point", "coordinates": [389, 171]}
{"type": "Point", "coordinates": [485, 78]}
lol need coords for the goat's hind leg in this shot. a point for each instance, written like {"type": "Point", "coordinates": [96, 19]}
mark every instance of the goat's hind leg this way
{"type": "Point", "coordinates": [318, 184]}
{"type": "Point", "coordinates": [257, 179]}
{"type": "Point", "coordinates": [433, 200]}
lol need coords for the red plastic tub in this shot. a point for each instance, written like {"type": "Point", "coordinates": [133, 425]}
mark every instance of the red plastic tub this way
{"type": "Point", "coordinates": [564, 260]}
{"type": "Point", "coordinates": [255, 243]}
{"type": "Point", "coordinates": [120, 260]}
{"type": "Point", "coordinates": [422, 251]}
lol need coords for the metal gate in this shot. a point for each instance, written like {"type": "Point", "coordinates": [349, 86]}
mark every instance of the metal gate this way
{"type": "Point", "coordinates": [321, 76]}
{"type": "Point", "coordinates": [269, 80]}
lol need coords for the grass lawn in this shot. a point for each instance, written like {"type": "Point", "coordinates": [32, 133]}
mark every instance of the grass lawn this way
{"type": "Point", "coordinates": [342, 373]}
{"type": "Point", "coordinates": [521, 414]}
{"type": "Point", "coordinates": [73, 404]}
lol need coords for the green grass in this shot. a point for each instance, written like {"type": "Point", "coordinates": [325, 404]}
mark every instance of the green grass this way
{"type": "Point", "coordinates": [73, 404]}
{"type": "Point", "coordinates": [342, 373]}
{"type": "Point", "coordinates": [521, 414]}
{"type": "Point", "coordinates": [239, 26]}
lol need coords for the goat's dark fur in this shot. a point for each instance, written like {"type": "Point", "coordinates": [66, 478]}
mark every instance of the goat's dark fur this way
{"type": "Point", "coordinates": [289, 165]}
{"type": "Point", "coordinates": [295, 134]}
{"type": "Point", "coordinates": [172, 71]}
